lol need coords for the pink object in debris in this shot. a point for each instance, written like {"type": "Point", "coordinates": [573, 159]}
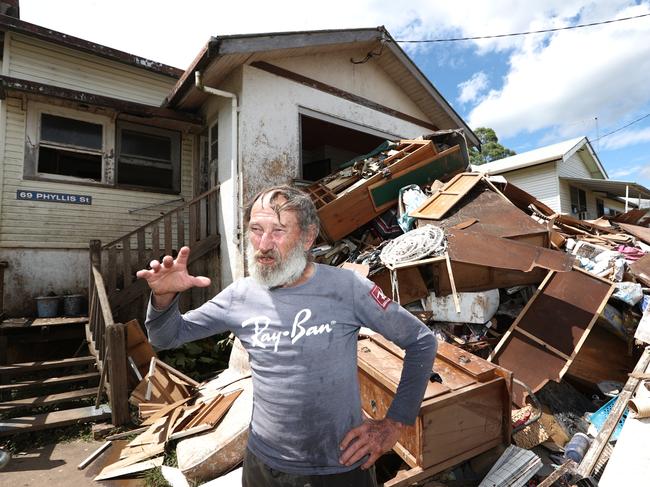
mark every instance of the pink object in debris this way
{"type": "Point", "coordinates": [630, 253]}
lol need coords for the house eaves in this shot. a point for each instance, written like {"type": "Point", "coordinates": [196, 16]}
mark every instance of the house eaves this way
{"type": "Point", "coordinates": [180, 120]}
{"type": "Point", "coordinates": [221, 55]}
{"type": "Point", "coordinates": [8, 23]}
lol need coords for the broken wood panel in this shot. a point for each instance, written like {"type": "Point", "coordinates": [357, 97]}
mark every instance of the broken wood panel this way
{"type": "Point", "coordinates": [494, 214]}
{"type": "Point", "coordinates": [138, 346]}
{"type": "Point", "coordinates": [478, 248]}
{"type": "Point", "coordinates": [411, 285]}
{"type": "Point", "coordinates": [641, 269]}
{"type": "Point", "coordinates": [438, 204]}
{"type": "Point", "coordinates": [642, 233]}
{"type": "Point", "coordinates": [565, 309]}
{"type": "Point", "coordinates": [631, 217]}
{"type": "Point", "coordinates": [549, 332]}
{"type": "Point", "coordinates": [218, 412]}
{"type": "Point", "coordinates": [475, 278]}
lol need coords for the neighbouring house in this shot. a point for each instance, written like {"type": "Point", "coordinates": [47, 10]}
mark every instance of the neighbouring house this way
{"type": "Point", "coordinates": [97, 144]}
{"type": "Point", "coordinates": [569, 178]}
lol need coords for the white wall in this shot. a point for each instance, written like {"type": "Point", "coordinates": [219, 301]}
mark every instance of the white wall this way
{"type": "Point", "coordinates": [540, 181]}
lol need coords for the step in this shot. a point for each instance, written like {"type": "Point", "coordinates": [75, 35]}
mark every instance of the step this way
{"type": "Point", "coordinates": [35, 402]}
{"type": "Point", "coordinates": [51, 381]}
{"type": "Point", "coordinates": [39, 322]}
{"type": "Point", "coordinates": [24, 367]}
{"type": "Point", "coordinates": [55, 419]}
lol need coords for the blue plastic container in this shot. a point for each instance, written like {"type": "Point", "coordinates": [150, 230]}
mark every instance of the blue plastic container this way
{"type": "Point", "coordinates": [47, 306]}
{"type": "Point", "coordinates": [577, 447]}
{"type": "Point", "coordinates": [599, 417]}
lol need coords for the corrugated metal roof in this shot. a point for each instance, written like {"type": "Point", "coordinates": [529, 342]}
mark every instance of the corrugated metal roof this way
{"type": "Point", "coordinates": [559, 151]}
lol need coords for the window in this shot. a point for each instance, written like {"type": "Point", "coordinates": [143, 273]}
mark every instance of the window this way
{"type": "Point", "coordinates": [66, 144]}
{"type": "Point", "coordinates": [600, 207]}
{"type": "Point", "coordinates": [70, 147]}
{"type": "Point", "coordinates": [148, 157]}
{"type": "Point", "coordinates": [578, 202]}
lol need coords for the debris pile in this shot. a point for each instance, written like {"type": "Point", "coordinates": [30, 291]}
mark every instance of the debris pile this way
{"type": "Point", "coordinates": [556, 300]}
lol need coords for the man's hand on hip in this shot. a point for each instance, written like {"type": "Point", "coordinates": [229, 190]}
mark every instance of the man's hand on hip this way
{"type": "Point", "coordinates": [169, 277]}
{"type": "Point", "coordinates": [373, 437]}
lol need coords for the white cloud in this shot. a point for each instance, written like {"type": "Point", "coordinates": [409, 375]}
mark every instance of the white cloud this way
{"type": "Point", "coordinates": [624, 172]}
{"type": "Point", "coordinates": [471, 89]}
{"type": "Point", "coordinates": [626, 138]}
{"type": "Point", "coordinates": [574, 75]}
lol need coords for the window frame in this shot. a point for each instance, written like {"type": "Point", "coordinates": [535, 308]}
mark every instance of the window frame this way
{"type": "Point", "coordinates": [33, 143]}
{"type": "Point", "coordinates": [175, 152]}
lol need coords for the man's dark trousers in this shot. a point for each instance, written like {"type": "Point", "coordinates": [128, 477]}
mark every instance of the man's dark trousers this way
{"type": "Point", "coordinates": [258, 474]}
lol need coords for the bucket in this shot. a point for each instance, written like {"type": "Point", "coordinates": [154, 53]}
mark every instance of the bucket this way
{"type": "Point", "coordinates": [47, 306]}
{"type": "Point", "coordinates": [576, 448]}
{"type": "Point", "coordinates": [73, 304]}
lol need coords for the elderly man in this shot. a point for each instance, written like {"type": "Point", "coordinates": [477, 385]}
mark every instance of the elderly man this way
{"type": "Point", "coordinates": [299, 322]}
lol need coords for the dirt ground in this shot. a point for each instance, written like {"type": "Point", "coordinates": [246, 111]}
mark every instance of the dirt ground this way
{"type": "Point", "coordinates": [55, 465]}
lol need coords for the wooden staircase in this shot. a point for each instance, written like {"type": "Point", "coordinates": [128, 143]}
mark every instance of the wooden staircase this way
{"type": "Point", "coordinates": [59, 389]}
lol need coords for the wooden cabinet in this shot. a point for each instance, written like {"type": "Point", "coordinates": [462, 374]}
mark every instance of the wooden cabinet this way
{"type": "Point", "coordinates": [461, 417]}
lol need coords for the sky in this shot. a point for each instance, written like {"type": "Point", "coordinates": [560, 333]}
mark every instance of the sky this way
{"type": "Point", "coordinates": [533, 90]}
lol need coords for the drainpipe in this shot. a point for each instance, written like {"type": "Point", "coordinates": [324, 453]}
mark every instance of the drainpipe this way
{"type": "Point", "coordinates": [234, 169]}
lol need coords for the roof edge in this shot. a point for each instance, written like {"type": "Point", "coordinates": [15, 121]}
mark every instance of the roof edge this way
{"type": "Point", "coordinates": [20, 26]}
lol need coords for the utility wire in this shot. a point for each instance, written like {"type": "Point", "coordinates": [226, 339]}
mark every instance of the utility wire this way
{"type": "Point", "coordinates": [623, 127]}
{"type": "Point", "coordinates": [524, 33]}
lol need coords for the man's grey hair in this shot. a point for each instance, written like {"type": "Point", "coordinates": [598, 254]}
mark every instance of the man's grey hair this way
{"type": "Point", "coordinates": [296, 200]}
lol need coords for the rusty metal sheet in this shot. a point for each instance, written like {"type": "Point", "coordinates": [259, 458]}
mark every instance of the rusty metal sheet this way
{"type": "Point", "coordinates": [483, 249]}
{"type": "Point", "coordinates": [496, 216]}
{"type": "Point", "coordinates": [642, 233]}
{"type": "Point", "coordinates": [544, 339]}
{"type": "Point", "coordinates": [641, 269]}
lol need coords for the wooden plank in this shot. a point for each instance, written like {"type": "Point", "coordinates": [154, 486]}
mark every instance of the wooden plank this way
{"type": "Point", "coordinates": [436, 206]}
{"type": "Point", "coordinates": [218, 412]}
{"type": "Point", "coordinates": [142, 249]}
{"type": "Point", "coordinates": [30, 384]}
{"type": "Point", "coordinates": [168, 234]}
{"type": "Point", "coordinates": [32, 402]}
{"type": "Point", "coordinates": [155, 242]}
{"type": "Point", "coordinates": [180, 228]}
{"type": "Point", "coordinates": [46, 365]}
{"type": "Point", "coordinates": [166, 409]}
{"type": "Point", "coordinates": [54, 419]}
{"type": "Point", "coordinates": [177, 373]}
{"type": "Point", "coordinates": [39, 322]}
{"type": "Point", "coordinates": [126, 261]}
{"type": "Point", "coordinates": [111, 271]}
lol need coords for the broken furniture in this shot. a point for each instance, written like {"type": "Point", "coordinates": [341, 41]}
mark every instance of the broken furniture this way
{"type": "Point", "coordinates": [464, 415]}
{"type": "Point", "coordinates": [545, 338]}
{"type": "Point", "coordinates": [372, 193]}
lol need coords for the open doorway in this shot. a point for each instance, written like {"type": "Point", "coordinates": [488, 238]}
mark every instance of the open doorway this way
{"type": "Point", "coordinates": [327, 145]}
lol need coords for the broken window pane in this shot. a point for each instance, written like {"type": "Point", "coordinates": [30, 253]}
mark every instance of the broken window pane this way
{"type": "Point", "coordinates": [67, 131]}
{"type": "Point", "coordinates": [69, 163]}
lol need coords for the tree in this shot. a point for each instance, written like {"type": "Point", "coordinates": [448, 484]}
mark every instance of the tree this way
{"type": "Point", "coordinates": [491, 149]}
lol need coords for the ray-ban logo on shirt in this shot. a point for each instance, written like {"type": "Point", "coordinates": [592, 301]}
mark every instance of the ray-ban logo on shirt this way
{"type": "Point", "coordinates": [379, 296]}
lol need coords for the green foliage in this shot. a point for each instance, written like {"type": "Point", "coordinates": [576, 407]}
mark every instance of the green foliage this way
{"type": "Point", "coordinates": [200, 359]}
{"type": "Point", "coordinates": [491, 149]}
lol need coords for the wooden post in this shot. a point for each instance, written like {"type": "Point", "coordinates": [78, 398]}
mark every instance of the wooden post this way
{"type": "Point", "coordinates": [95, 260]}
{"type": "Point", "coordinates": [117, 373]}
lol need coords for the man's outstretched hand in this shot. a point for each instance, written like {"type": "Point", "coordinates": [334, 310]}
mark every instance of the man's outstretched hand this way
{"type": "Point", "coordinates": [169, 277]}
{"type": "Point", "coordinates": [373, 438]}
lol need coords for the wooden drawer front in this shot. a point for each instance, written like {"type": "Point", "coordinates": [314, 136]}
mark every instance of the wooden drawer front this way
{"type": "Point", "coordinates": [472, 419]}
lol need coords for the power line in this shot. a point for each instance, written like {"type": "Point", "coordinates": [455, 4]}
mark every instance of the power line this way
{"type": "Point", "coordinates": [623, 127]}
{"type": "Point", "coordinates": [524, 33]}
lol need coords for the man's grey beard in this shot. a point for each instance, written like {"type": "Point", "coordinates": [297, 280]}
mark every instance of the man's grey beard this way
{"type": "Point", "coordinates": [282, 272]}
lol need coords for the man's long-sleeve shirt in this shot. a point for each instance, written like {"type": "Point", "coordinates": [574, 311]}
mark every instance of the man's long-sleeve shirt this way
{"type": "Point", "coordinates": [302, 346]}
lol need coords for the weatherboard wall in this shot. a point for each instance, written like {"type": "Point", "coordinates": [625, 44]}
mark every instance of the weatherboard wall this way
{"type": "Point", "coordinates": [575, 167]}
{"type": "Point", "coordinates": [540, 181]}
{"type": "Point", "coordinates": [36, 60]}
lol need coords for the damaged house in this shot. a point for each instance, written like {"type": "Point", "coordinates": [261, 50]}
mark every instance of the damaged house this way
{"type": "Point", "coordinates": [98, 143]}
